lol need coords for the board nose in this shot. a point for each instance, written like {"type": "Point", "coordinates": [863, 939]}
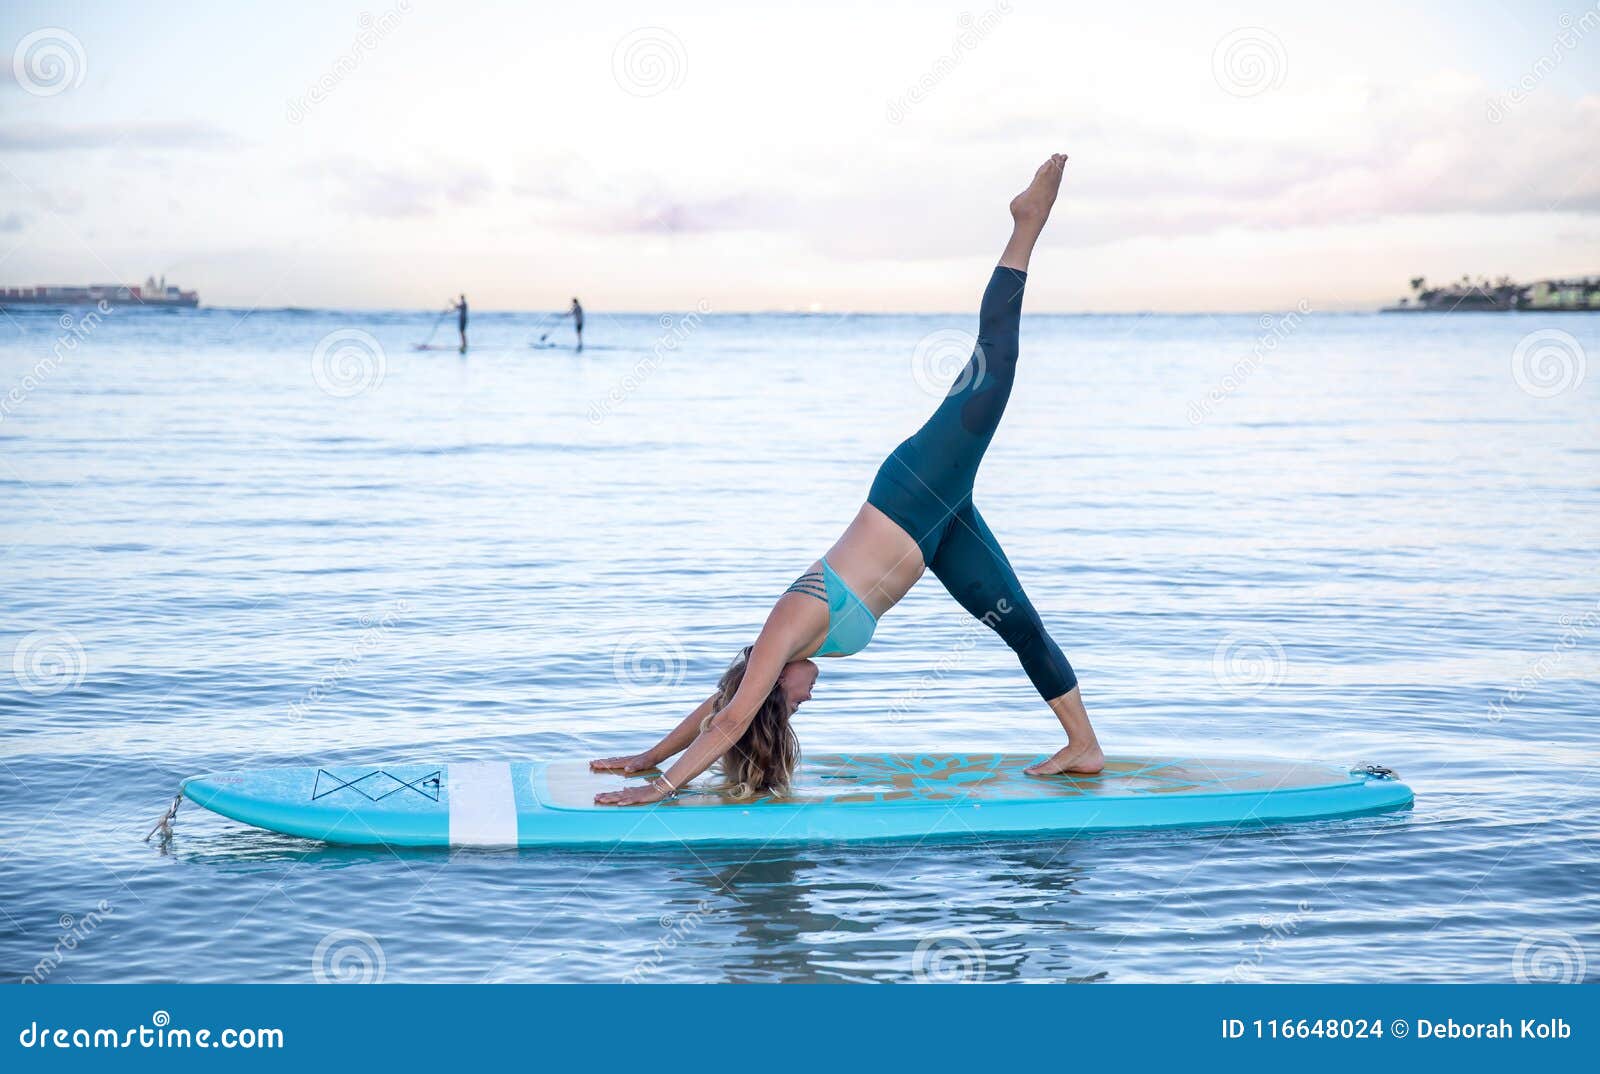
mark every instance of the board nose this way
{"type": "Point", "coordinates": [208, 789]}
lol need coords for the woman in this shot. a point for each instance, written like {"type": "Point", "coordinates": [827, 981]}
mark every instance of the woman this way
{"type": "Point", "coordinates": [918, 516]}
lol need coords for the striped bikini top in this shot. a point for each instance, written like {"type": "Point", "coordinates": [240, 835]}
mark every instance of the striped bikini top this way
{"type": "Point", "coordinates": [850, 621]}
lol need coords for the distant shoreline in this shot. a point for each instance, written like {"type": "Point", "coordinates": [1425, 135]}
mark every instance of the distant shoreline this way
{"type": "Point", "coordinates": [249, 311]}
{"type": "Point", "coordinates": [1579, 294]}
{"type": "Point", "coordinates": [1481, 309]}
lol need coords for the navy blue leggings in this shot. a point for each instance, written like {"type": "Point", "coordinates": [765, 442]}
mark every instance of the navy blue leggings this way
{"type": "Point", "coordinates": [925, 487]}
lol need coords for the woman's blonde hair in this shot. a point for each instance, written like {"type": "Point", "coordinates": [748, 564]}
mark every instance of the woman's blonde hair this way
{"type": "Point", "coordinates": [763, 761]}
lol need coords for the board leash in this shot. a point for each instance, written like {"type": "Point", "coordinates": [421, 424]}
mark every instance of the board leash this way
{"type": "Point", "coordinates": [164, 825]}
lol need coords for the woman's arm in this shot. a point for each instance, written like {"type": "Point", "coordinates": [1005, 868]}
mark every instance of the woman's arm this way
{"type": "Point", "coordinates": [675, 742]}
{"type": "Point", "coordinates": [728, 726]}
{"type": "Point", "coordinates": [791, 623]}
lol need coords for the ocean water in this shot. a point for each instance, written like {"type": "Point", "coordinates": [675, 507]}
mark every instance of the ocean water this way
{"type": "Point", "coordinates": [233, 538]}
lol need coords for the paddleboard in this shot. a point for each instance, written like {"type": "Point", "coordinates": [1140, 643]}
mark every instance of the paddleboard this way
{"type": "Point", "coordinates": [835, 798]}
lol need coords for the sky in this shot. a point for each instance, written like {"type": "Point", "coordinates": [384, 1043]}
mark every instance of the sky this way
{"type": "Point", "coordinates": [762, 155]}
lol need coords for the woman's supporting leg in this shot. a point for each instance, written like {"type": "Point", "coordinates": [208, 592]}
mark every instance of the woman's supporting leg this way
{"type": "Point", "coordinates": [977, 573]}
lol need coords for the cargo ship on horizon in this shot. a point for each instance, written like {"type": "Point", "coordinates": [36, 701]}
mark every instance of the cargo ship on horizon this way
{"type": "Point", "coordinates": [152, 293]}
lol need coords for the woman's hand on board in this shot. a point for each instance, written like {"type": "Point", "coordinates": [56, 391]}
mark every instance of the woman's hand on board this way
{"type": "Point", "coordinates": [639, 762]}
{"type": "Point", "coordinates": [641, 795]}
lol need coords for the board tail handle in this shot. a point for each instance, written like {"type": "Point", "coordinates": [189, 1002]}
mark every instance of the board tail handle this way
{"type": "Point", "coordinates": [1376, 771]}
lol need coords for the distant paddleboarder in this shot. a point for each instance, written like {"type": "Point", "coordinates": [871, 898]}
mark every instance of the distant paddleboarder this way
{"type": "Point", "coordinates": [577, 319]}
{"type": "Point", "coordinates": [461, 320]}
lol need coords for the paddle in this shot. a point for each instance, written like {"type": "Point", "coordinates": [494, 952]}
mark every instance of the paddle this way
{"type": "Point", "coordinates": [434, 330]}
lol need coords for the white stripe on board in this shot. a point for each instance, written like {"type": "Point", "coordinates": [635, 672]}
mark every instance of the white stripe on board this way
{"type": "Point", "coordinates": [483, 806]}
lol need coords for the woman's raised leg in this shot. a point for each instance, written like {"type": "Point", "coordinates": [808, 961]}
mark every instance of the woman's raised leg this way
{"type": "Point", "coordinates": [930, 475]}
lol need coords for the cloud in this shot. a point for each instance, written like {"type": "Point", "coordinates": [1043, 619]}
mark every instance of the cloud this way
{"type": "Point", "coordinates": [53, 137]}
{"type": "Point", "coordinates": [570, 192]}
{"type": "Point", "coordinates": [394, 193]}
{"type": "Point", "coordinates": [661, 215]}
{"type": "Point", "coordinates": [1356, 154]}
{"type": "Point", "coordinates": [57, 199]}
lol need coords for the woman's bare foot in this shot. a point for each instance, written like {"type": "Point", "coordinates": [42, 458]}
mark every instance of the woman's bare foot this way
{"type": "Point", "coordinates": [1032, 206]}
{"type": "Point", "coordinates": [1030, 209]}
{"type": "Point", "coordinates": [1082, 753]}
{"type": "Point", "coordinates": [1079, 760]}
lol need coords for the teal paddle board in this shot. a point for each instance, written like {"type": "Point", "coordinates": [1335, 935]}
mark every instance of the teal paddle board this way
{"type": "Point", "coordinates": [835, 798]}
